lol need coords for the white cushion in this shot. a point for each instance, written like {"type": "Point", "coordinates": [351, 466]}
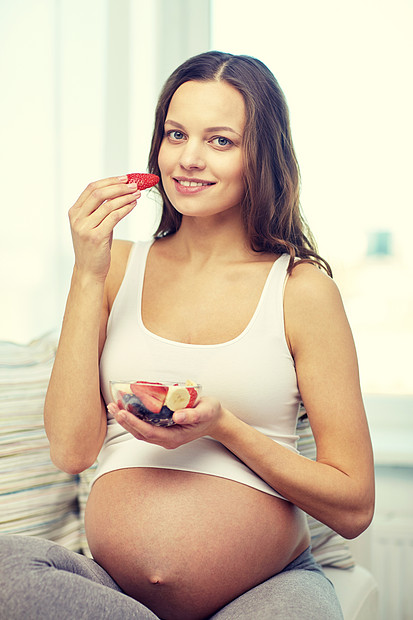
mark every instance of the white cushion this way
{"type": "Point", "coordinates": [357, 592]}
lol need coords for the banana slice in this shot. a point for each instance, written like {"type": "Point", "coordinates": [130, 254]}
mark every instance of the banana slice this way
{"type": "Point", "coordinates": [177, 397]}
{"type": "Point", "coordinates": [124, 387]}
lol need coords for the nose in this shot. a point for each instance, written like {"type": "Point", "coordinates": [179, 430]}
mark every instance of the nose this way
{"type": "Point", "coordinates": [192, 156]}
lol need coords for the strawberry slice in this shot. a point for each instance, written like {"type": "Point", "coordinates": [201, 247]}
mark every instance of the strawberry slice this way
{"type": "Point", "coordinates": [193, 395]}
{"type": "Point", "coordinates": [142, 179]}
{"type": "Point", "coordinates": [151, 395]}
{"type": "Point", "coordinates": [193, 392]}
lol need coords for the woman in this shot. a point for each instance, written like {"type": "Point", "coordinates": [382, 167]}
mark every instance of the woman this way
{"type": "Point", "coordinates": [232, 294]}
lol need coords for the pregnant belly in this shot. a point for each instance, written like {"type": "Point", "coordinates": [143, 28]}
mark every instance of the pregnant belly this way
{"type": "Point", "coordinates": [184, 543]}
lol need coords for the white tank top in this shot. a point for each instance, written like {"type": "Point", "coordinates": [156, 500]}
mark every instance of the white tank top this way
{"type": "Point", "coordinates": [252, 375]}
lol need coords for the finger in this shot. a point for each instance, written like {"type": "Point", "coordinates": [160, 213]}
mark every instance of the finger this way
{"type": "Point", "coordinates": [135, 424]}
{"type": "Point", "coordinates": [123, 418]}
{"type": "Point", "coordinates": [112, 211]}
{"type": "Point", "coordinates": [99, 195]}
{"type": "Point", "coordinates": [103, 220]}
{"type": "Point", "coordinates": [168, 438]}
{"type": "Point", "coordinates": [95, 185]}
{"type": "Point", "coordinates": [180, 417]}
{"type": "Point", "coordinates": [113, 408]}
{"type": "Point", "coordinates": [186, 416]}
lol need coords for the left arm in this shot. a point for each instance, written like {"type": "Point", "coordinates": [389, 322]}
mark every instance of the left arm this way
{"type": "Point", "coordinates": [337, 489]}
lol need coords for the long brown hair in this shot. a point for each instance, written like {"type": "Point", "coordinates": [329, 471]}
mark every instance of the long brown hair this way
{"type": "Point", "coordinates": [271, 207]}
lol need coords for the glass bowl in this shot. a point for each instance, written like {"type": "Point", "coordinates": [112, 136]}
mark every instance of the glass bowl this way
{"type": "Point", "coordinates": [154, 402]}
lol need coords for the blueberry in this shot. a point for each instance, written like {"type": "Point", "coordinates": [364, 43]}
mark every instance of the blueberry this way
{"type": "Point", "coordinates": [133, 404]}
{"type": "Point", "coordinates": [165, 417]}
{"type": "Point", "coordinates": [165, 412]}
{"type": "Point", "coordinates": [151, 417]}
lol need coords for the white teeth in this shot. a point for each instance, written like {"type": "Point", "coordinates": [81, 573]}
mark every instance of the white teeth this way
{"type": "Point", "coordinates": [192, 184]}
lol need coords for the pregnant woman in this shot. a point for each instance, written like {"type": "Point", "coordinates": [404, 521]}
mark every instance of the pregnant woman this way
{"type": "Point", "coordinates": [230, 293]}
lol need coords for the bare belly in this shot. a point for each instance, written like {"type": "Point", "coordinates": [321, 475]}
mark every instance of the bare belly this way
{"type": "Point", "coordinates": [184, 543]}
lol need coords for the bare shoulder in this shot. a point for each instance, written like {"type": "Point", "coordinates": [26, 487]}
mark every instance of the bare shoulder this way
{"type": "Point", "coordinates": [309, 283]}
{"type": "Point", "coordinates": [119, 259]}
{"type": "Point", "coordinates": [312, 303]}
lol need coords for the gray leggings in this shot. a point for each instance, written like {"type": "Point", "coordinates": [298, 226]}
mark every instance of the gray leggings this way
{"type": "Point", "coordinates": [42, 580]}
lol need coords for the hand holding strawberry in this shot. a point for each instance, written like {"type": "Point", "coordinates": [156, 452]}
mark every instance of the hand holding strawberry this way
{"type": "Point", "coordinates": [95, 214]}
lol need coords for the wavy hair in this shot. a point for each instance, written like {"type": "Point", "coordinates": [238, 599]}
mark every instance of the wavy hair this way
{"type": "Point", "coordinates": [271, 210]}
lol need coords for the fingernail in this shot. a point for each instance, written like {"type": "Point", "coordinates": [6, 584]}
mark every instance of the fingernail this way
{"type": "Point", "coordinates": [111, 408]}
{"type": "Point", "coordinates": [180, 417]}
{"type": "Point", "coordinates": [123, 178]}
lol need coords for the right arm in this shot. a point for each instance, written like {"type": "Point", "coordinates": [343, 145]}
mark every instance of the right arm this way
{"type": "Point", "coordinates": [74, 414]}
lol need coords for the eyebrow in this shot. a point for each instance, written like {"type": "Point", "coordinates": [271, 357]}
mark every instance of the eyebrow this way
{"type": "Point", "coordinates": [218, 128]}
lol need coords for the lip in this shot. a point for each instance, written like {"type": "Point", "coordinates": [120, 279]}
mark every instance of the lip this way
{"type": "Point", "coordinates": [201, 186]}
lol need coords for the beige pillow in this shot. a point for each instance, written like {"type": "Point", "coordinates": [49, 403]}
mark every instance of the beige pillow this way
{"type": "Point", "coordinates": [35, 497]}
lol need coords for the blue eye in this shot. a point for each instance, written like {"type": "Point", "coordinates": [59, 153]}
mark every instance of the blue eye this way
{"type": "Point", "coordinates": [175, 135]}
{"type": "Point", "coordinates": [221, 141]}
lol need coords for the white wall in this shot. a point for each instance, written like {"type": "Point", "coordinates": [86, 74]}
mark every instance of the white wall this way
{"type": "Point", "coordinates": [79, 81]}
{"type": "Point", "coordinates": [345, 69]}
{"type": "Point", "coordinates": [52, 120]}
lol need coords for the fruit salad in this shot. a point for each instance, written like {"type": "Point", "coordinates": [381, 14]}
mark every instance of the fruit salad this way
{"type": "Point", "coordinates": [155, 402]}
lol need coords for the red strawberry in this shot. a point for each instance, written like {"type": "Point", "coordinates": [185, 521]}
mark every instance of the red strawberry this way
{"type": "Point", "coordinates": [152, 396]}
{"type": "Point", "coordinates": [193, 395]}
{"type": "Point", "coordinates": [143, 179]}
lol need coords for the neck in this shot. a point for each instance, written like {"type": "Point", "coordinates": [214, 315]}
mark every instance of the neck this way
{"type": "Point", "coordinates": [217, 238]}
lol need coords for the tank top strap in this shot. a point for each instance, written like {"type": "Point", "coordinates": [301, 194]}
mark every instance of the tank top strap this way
{"type": "Point", "coordinates": [129, 295]}
{"type": "Point", "coordinates": [269, 314]}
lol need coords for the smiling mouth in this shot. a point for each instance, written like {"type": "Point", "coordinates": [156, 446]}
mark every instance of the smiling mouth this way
{"type": "Point", "coordinates": [193, 183]}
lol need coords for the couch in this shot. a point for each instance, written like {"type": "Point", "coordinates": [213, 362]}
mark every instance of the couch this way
{"type": "Point", "coordinates": [39, 500]}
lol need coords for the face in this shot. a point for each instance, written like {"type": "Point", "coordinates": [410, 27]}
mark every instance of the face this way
{"type": "Point", "coordinates": [200, 158]}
